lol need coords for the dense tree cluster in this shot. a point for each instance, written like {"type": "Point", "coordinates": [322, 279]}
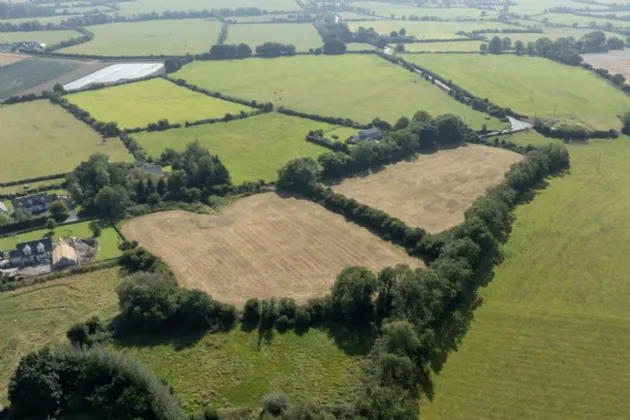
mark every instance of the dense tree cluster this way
{"type": "Point", "coordinates": [275, 49]}
{"type": "Point", "coordinates": [222, 52]}
{"type": "Point", "coordinates": [334, 47]}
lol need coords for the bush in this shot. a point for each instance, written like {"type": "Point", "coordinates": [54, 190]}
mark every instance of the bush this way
{"type": "Point", "coordinates": [275, 403]}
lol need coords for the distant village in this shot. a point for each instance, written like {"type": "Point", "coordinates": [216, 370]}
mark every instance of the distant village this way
{"type": "Point", "coordinates": [27, 46]}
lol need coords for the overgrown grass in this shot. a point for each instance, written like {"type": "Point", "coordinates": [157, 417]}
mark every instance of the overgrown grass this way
{"type": "Point", "coordinates": [360, 87]}
{"type": "Point", "coordinates": [237, 369]}
{"type": "Point", "coordinates": [26, 74]}
{"type": "Point", "coordinates": [253, 148]}
{"type": "Point", "coordinates": [549, 340]}
{"type": "Point", "coordinates": [302, 35]}
{"type": "Point", "coordinates": [36, 316]}
{"type": "Point", "coordinates": [108, 241]}
{"type": "Point", "coordinates": [159, 37]}
{"type": "Point", "coordinates": [533, 86]}
{"type": "Point", "coordinates": [39, 139]}
{"type": "Point", "coordinates": [138, 104]}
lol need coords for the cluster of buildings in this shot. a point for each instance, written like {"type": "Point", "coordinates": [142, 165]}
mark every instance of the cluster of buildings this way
{"type": "Point", "coordinates": [32, 204]}
{"type": "Point", "coordinates": [22, 46]}
{"type": "Point", "coordinates": [59, 255]}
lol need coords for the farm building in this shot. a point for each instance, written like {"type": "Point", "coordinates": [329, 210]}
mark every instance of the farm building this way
{"type": "Point", "coordinates": [34, 203]}
{"type": "Point", "coordinates": [369, 134]}
{"type": "Point", "coordinates": [63, 256]}
{"type": "Point", "coordinates": [31, 252]}
{"type": "Point", "coordinates": [155, 170]}
{"type": "Point", "coordinates": [3, 209]}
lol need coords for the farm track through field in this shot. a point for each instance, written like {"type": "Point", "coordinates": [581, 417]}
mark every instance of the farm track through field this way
{"type": "Point", "coordinates": [262, 246]}
{"type": "Point", "coordinates": [434, 191]}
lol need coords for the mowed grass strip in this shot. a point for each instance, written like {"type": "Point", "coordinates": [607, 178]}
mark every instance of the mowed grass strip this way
{"type": "Point", "coordinates": [160, 37]}
{"type": "Point", "coordinates": [253, 148]}
{"type": "Point", "coordinates": [515, 82]}
{"type": "Point", "coordinates": [357, 86]}
{"type": "Point", "coordinates": [434, 191]}
{"type": "Point", "coordinates": [40, 139]}
{"type": "Point", "coordinates": [22, 75]}
{"type": "Point", "coordinates": [233, 369]}
{"type": "Point", "coordinates": [108, 241]}
{"type": "Point", "coordinates": [302, 35]}
{"type": "Point", "coordinates": [262, 246]}
{"type": "Point", "coordinates": [138, 104]}
{"type": "Point", "coordinates": [40, 315]}
{"type": "Point", "coordinates": [556, 317]}
{"type": "Point", "coordinates": [41, 37]}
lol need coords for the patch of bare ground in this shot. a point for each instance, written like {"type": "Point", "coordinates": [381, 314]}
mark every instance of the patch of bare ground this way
{"type": "Point", "coordinates": [432, 191]}
{"type": "Point", "coordinates": [8, 58]}
{"type": "Point", "coordinates": [87, 67]}
{"type": "Point", "coordinates": [262, 246]}
{"type": "Point", "coordinates": [615, 61]}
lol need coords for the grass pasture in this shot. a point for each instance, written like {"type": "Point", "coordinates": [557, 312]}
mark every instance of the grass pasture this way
{"type": "Point", "coordinates": [40, 315]}
{"type": "Point", "coordinates": [41, 37]}
{"type": "Point", "coordinates": [159, 37]}
{"type": "Point", "coordinates": [233, 369]}
{"type": "Point", "coordinates": [44, 20]}
{"type": "Point", "coordinates": [360, 87]}
{"type": "Point", "coordinates": [160, 6]}
{"type": "Point", "coordinates": [41, 139]}
{"type": "Point", "coordinates": [22, 75]}
{"type": "Point", "coordinates": [302, 35]}
{"type": "Point", "coordinates": [433, 191]}
{"type": "Point", "coordinates": [108, 241]}
{"type": "Point", "coordinates": [399, 10]}
{"type": "Point", "coordinates": [262, 246]}
{"type": "Point", "coordinates": [138, 104]}
{"type": "Point", "coordinates": [555, 319]}
{"type": "Point", "coordinates": [551, 33]}
{"type": "Point", "coordinates": [582, 21]}
{"type": "Point", "coordinates": [563, 93]}
{"type": "Point", "coordinates": [251, 149]}
{"type": "Point", "coordinates": [535, 7]}
{"type": "Point", "coordinates": [428, 30]}
{"type": "Point", "coordinates": [453, 46]}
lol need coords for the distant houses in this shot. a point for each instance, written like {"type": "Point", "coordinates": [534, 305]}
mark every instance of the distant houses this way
{"type": "Point", "coordinates": [23, 46]}
{"type": "Point", "coordinates": [34, 204]}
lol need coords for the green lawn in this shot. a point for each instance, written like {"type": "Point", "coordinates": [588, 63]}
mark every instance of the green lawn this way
{"type": "Point", "coordinates": [159, 6]}
{"type": "Point", "coordinates": [41, 37]}
{"type": "Point", "coordinates": [517, 82]}
{"type": "Point", "coordinates": [138, 104]}
{"type": "Point", "coordinates": [26, 74]}
{"type": "Point", "coordinates": [108, 241]}
{"type": "Point", "coordinates": [428, 30]}
{"type": "Point", "coordinates": [158, 37]}
{"type": "Point", "coordinates": [230, 369]}
{"type": "Point", "coordinates": [40, 315]}
{"type": "Point", "coordinates": [550, 340]}
{"type": "Point", "coordinates": [302, 35]}
{"type": "Point", "coordinates": [39, 139]}
{"type": "Point", "coordinates": [251, 149]}
{"type": "Point", "coordinates": [360, 87]}
{"type": "Point", "coordinates": [454, 46]}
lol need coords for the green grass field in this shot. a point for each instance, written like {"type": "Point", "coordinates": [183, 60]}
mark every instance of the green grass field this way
{"type": "Point", "coordinates": [454, 46]}
{"type": "Point", "coordinates": [526, 138]}
{"type": "Point", "coordinates": [138, 104]}
{"type": "Point", "coordinates": [400, 10]}
{"type": "Point", "coordinates": [32, 186]}
{"type": "Point", "coordinates": [42, 139]}
{"type": "Point", "coordinates": [251, 149]}
{"type": "Point", "coordinates": [360, 87]}
{"type": "Point", "coordinates": [83, 10]}
{"type": "Point", "coordinates": [230, 369]}
{"type": "Point", "coordinates": [40, 315]}
{"type": "Point", "coordinates": [261, 18]}
{"type": "Point", "coordinates": [159, 6]}
{"type": "Point", "coordinates": [549, 341]}
{"type": "Point", "coordinates": [517, 82]}
{"type": "Point", "coordinates": [44, 20]}
{"type": "Point", "coordinates": [159, 37]}
{"type": "Point", "coordinates": [552, 33]}
{"type": "Point", "coordinates": [108, 241]}
{"type": "Point", "coordinates": [302, 35]}
{"type": "Point", "coordinates": [26, 74]}
{"type": "Point", "coordinates": [355, 16]}
{"type": "Point", "coordinates": [428, 30]}
{"type": "Point", "coordinates": [41, 37]}
{"type": "Point", "coordinates": [583, 21]}
{"type": "Point", "coordinates": [532, 7]}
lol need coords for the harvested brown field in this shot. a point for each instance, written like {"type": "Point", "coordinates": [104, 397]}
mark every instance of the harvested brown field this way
{"type": "Point", "coordinates": [615, 61]}
{"type": "Point", "coordinates": [8, 58]}
{"type": "Point", "coordinates": [433, 191]}
{"type": "Point", "coordinates": [262, 246]}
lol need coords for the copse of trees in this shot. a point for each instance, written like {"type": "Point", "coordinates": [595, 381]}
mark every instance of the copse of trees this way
{"type": "Point", "coordinates": [222, 52]}
{"type": "Point", "coordinates": [275, 49]}
{"type": "Point", "coordinates": [334, 47]}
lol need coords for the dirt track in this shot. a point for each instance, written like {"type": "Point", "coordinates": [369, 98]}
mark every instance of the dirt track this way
{"type": "Point", "coordinates": [433, 191]}
{"type": "Point", "coordinates": [262, 246]}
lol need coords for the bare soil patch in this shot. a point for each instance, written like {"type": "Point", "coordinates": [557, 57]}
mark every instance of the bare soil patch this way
{"type": "Point", "coordinates": [262, 246]}
{"type": "Point", "coordinates": [615, 61]}
{"type": "Point", "coordinates": [433, 191]}
{"type": "Point", "coordinates": [8, 58]}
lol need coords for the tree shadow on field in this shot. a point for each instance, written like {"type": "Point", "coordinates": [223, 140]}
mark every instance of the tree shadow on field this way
{"type": "Point", "coordinates": [177, 339]}
{"type": "Point", "coordinates": [352, 340]}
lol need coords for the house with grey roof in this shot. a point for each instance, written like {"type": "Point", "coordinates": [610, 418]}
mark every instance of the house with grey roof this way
{"type": "Point", "coordinates": [32, 252]}
{"type": "Point", "coordinates": [373, 134]}
{"type": "Point", "coordinates": [34, 204]}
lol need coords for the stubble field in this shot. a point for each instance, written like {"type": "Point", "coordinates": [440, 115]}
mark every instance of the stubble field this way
{"type": "Point", "coordinates": [434, 191]}
{"type": "Point", "coordinates": [533, 86]}
{"type": "Point", "coordinates": [616, 62]}
{"type": "Point", "coordinates": [40, 139]}
{"type": "Point", "coordinates": [355, 86]}
{"type": "Point", "coordinates": [262, 246]}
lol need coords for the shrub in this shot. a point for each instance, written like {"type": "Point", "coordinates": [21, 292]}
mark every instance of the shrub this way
{"type": "Point", "coordinates": [275, 403]}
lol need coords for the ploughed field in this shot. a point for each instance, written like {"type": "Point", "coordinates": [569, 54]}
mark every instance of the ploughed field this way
{"type": "Point", "coordinates": [262, 246]}
{"type": "Point", "coordinates": [536, 87]}
{"type": "Point", "coordinates": [356, 86]}
{"type": "Point", "coordinates": [432, 191]}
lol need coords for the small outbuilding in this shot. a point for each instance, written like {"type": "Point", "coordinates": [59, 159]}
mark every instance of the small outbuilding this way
{"type": "Point", "coordinates": [373, 134]}
{"type": "Point", "coordinates": [63, 256]}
